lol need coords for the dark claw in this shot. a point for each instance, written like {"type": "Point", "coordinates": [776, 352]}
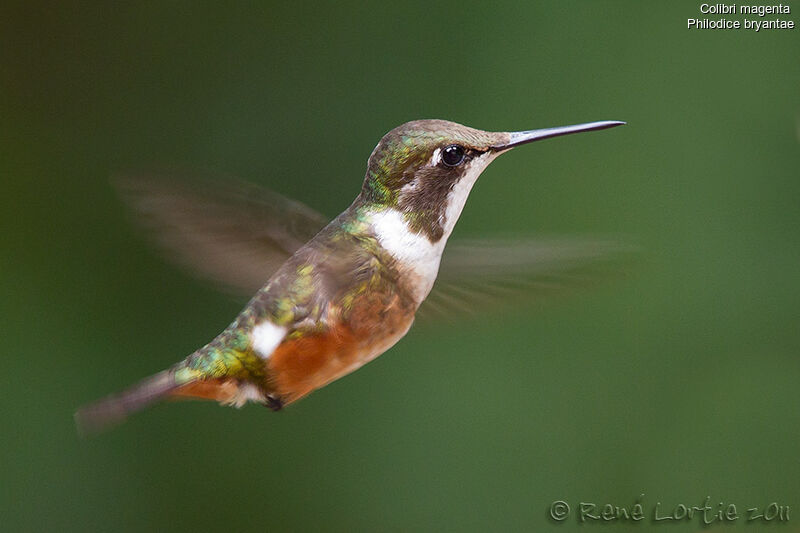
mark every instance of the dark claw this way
{"type": "Point", "coordinates": [274, 403]}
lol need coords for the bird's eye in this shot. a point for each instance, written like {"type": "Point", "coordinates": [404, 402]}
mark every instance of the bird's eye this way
{"type": "Point", "coordinates": [453, 155]}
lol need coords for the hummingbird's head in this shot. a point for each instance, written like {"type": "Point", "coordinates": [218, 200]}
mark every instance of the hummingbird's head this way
{"type": "Point", "coordinates": [426, 168]}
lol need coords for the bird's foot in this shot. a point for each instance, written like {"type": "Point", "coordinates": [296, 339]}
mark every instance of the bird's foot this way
{"type": "Point", "coordinates": [274, 403]}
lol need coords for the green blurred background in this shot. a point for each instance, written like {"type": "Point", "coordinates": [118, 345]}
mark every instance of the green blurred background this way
{"type": "Point", "coordinates": [678, 382]}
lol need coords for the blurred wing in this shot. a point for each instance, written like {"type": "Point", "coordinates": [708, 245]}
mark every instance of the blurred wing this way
{"type": "Point", "coordinates": [236, 234]}
{"type": "Point", "coordinates": [476, 276]}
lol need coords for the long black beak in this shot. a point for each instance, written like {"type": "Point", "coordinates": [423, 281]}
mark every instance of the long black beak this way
{"type": "Point", "coordinates": [523, 137]}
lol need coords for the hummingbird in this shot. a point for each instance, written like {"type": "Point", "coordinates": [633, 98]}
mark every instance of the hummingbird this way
{"type": "Point", "coordinates": [340, 294]}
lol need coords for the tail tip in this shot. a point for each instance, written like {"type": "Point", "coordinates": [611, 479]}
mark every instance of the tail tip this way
{"type": "Point", "coordinates": [96, 418]}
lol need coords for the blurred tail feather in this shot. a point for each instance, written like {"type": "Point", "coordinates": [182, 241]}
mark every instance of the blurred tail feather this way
{"type": "Point", "coordinates": [114, 409]}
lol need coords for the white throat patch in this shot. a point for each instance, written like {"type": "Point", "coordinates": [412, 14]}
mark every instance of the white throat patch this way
{"type": "Point", "coordinates": [458, 196]}
{"type": "Point", "coordinates": [416, 254]}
